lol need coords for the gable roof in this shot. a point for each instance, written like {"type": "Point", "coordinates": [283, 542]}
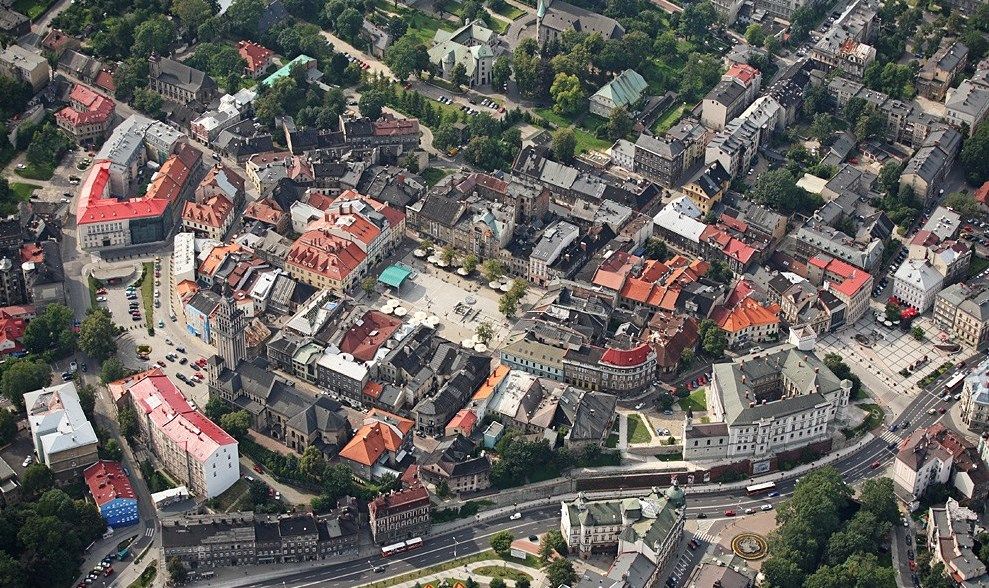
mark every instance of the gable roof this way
{"type": "Point", "coordinates": [625, 90]}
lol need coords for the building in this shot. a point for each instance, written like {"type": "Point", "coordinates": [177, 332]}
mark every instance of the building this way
{"type": "Point", "coordinates": [400, 515]}
{"type": "Point", "coordinates": [849, 284]}
{"type": "Point", "coordinates": [668, 159]}
{"type": "Point", "coordinates": [471, 46]}
{"type": "Point", "coordinates": [212, 213]}
{"type": "Point", "coordinates": [726, 101]}
{"type": "Point", "coordinates": [63, 438]}
{"type": "Point", "coordinates": [451, 463]}
{"type": "Point", "coordinates": [941, 70]}
{"type": "Point", "coordinates": [624, 91]}
{"type": "Point", "coordinates": [189, 446]}
{"type": "Point", "coordinates": [951, 540]}
{"type": "Point", "coordinates": [766, 403]}
{"type": "Point", "coordinates": [651, 525]}
{"type": "Point", "coordinates": [709, 187]}
{"type": "Point", "coordinates": [554, 17]}
{"type": "Point", "coordinates": [257, 57]}
{"type": "Point", "coordinates": [20, 64]}
{"type": "Point", "coordinates": [745, 320]}
{"type": "Point", "coordinates": [975, 399]}
{"type": "Point", "coordinates": [963, 311]}
{"type": "Point", "coordinates": [112, 492]}
{"type": "Point", "coordinates": [379, 446]}
{"type": "Point", "coordinates": [231, 111]}
{"type": "Point", "coordinates": [13, 23]}
{"type": "Point", "coordinates": [938, 455]}
{"type": "Point", "coordinates": [927, 170]}
{"type": "Point", "coordinates": [549, 248]}
{"type": "Point", "coordinates": [180, 83]}
{"type": "Point", "coordinates": [377, 38]}
{"type": "Point", "coordinates": [206, 542]}
{"type": "Point", "coordinates": [967, 105]}
{"type": "Point", "coordinates": [88, 116]}
{"type": "Point", "coordinates": [917, 283]}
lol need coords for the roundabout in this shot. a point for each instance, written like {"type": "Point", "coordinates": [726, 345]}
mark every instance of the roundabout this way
{"type": "Point", "coordinates": [749, 546]}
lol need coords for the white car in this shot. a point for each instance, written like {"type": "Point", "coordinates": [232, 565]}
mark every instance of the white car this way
{"type": "Point", "coordinates": [73, 366]}
{"type": "Point", "coordinates": [515, 516]}
{"type": "Point", "coordinates": [27, 461]}
{"type": "Point", "coordinates": [767, 507]}
{"type": "Point", "coordinates": [101, 298]}
{"type": "Point", "coordinates": [749, 511]}
{"type": "Point", "coordinates": [639, 406]}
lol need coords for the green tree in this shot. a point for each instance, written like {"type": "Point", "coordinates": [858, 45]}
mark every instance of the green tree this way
{"type": "Point", "coordinates": [700, 74]}
{"type": "Point", "coordinates": [552, 541]}
{"type": "Point", "coordinates": [508, 305]}
{"type": "Point", "coordinates": [236, 423]}
{"type": "Point", "coordinates": [484, 332]}
{"type": "Point", "coordinates": [889, 177]}
{"type": "Point", "coordinates": [443, 489]}
{"type": "Point", "coordinates": [407, 56]}
{"type": "Point", "coordinates": [97, 335]}
{"type": "Point", "coordinates": [127, 421]}
{"type": "Point", "coordinates": [870, 126]}
{"type": "Point", "coordinates": [527, 67]}
{"type": "Point", "coordinates": [755, 35]}
{"type": "Point", "coordinates": [371, 104]}
{"type": "Point", "coordinates": [878, 498]}
{"type": "Point", "coordinates": [715, 341]}
{"type": "Point", "coordinates": [501, 542]}
{"type": "Point", "coordinates": [244, 15]}
{"type": "Point", "coordinates": [216, 407]}
{"type": "Point", "coordinates": [568, 98]}
{"type": "Point", "coordinates": [129, 76]}
{"type": "Point", "coordinates": [192, 13]}
{"type": "Point", "coordinates": [918, 333]}
{"type": "Point", "coordinates": [657, 249]}
{"type": "Point", "coordinates": [36, 480]}
{"type": "Point", "coordinates": [469, 263]}
{"type": "Point", "coordinates": [561, 571]}
{"type": "Point", "coordinates": [778, 189]}
{"type": "Point", "coordinates": [696, 20]}
{"type": "Point", "coordinates": [492, 269]}
{"type": "Point", "coordinates": [111, 450]}
{"type": "Point", "coordinates": [154, 35]}
{"type": "Point", "coordinates": [176, 571]}
{"type": "Point", "coordinates": [348, 24]}
{"type": "Point", "coordinates": [564, 144]}
{"type": "Point", "coordinates": [8, 426]}
{"type": "Point", "coordinates": [24, 376]}
{"type": "Point", "coordinates": [47, 146]}
{"type": "Point", "coordinates": [368, 284]}
{"type": "Point", "coordinates": [51, 331]}
{"type": "Point", "coordinates": [11, 573]}
{"type": "Point", "coordinates": [496, 583]}
{"type": "Point", "coordinates": [447, 254]}
{"type": "Point", "coordinates": [338, 481]}
{"type": "Point", "coordinates": [112, 371]}
{"type": "Point", "coordinates": [218, 60]}
{"type": "Point", "coordinates": [620, 124]}
{"type": "Point", "coordinates": [975, 156]}
{"type": "Point", "coordinates": [459, 75]}
{"type": "Point", "coordinates": [501, 71]}
{"type": "Point", "coordinates": [963, 204]}
{"type": "Point", "coordinates": [312, 463]}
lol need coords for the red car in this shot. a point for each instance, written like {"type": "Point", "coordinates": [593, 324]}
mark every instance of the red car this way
{"type": "Point", "coordinates": [913, 565]}
{"type": "Point", "coordinates": [941, 410]}
{"type": "Point", "coordinates": [729, 513]}
{"type": "Point", "coordinates": [257, 469]}
{"type": "Point", "coordinates": [875, 465]}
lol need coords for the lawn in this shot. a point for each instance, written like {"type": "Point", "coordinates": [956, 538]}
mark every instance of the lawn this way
{"type": "Point", "coordinates": [586, 141]}
{"type": "Point", "coordinates": [696, 401]}
{"type": "Point", "coordinates": [230, 496]}
{"type": "Point", "coordinates": [872, 421]}
{"type": "Point", "coordinates": [433, 175]}
{"type": "Point", "coordinates": [148, 294]}
{"type": "Point", "coordinates": [30, 8]}
{"type": "Point", "coordinates": [507, 10]}
{"type": "Point", "coordinates": [23, 193]}
{"type": "Point", "coordinates": [487, 555]}
{"type": "Point", "coordinates": [36, 172]}
{"type": "Point", "coordinates": [147, 577]}
{"type": "Point", "coordinates": [638, 430]}
{"type": "Point", "coordinates": [612, 441]}
{"type": "Point", "coordinates": [422, 26]}
{"type": "Point", "coordinates": [669, 118]}
{"type": "Point", "coordinates": [504, 573]}
{"type": "Point", "coordinates": [497, 25]}
{"type": "Point", "coordinates": [979, 265]}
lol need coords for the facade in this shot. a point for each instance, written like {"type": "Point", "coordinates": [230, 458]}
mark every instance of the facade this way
{"type": "Point", "coordinates": [471, 46]}
{"type": "Point", "coordinates": [20, 64]}
{"type": "Point", "coordinates": [112, 492]}
{"type": "Point", "coordinates": [951, 540]}
{"type": "Point", "coordinates": [764, 403]}
{"type": "Point", "coordinates": [849, 284]}
{"type": "Point", "coordinates": [651, 526]}
{"type": "Point", "coordinates": [400, 515]}
{"type": "Point", "coordinates": [975, 399]}
{"type": "Point", "coordinates": [180, 83]}
{"type": "Point", "coordinates": [256, 57]}
{"type": "Point", "coordinates": [917, 284]}
{"type": "Point", "coordinates": [88, 116]}
{"type": "Point", "coordinates": [451, 462]}
{"type": "Point", "coordinates": [926, 171]}
{"type": "Point", "coordinates": [189, 446]}
{"type": "Point", "coordinates": [379, 446]}
{"type": "Point", "coordinates": [668, 159]}
{"type": "Point", "coordinates": [554, 17]}
{"type": "Point", "coordinates": [963, 311]}
{"type": "Point", "coordinates": [64, 440]}
{"type": "Point", "coordinates": [625, 91]}
{"type": "Point", "coordinates": [938, 455]}
{"type": "Point", "coordinates": [968, 104]}
{"type": "Point", "coordinates": [941, 70]}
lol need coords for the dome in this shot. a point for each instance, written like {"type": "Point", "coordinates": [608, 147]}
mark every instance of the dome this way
{"type": "Point", "coordinates": [675, 495]}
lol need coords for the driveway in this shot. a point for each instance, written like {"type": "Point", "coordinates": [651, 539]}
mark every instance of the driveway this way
{"type": "Point", "coordinates": [376, 66]}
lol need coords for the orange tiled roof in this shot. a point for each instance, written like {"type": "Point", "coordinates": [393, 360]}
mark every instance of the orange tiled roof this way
{"type": "Point", "coordinates": [749, 313]}
{"type": "Point", "coordinates": [487, 388]}
{"type": "Point", "coordinates": [213, 212]}
{"type": "Point", "coordinates": [370, 442]}
{"type": "Point", "coordinates": [327, 255]}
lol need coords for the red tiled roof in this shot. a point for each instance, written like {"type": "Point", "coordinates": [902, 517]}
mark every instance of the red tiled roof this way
{"type": "Point", "coordinates": [107, 481]}
{"type": "Point", "coordinates": [465, 420]}
{"type": "Point", "coordinates": [749, 313]}
{"type": "Point", "coordinates": [327, 255]}
{"type": "Point", "coordinates": [213, 212]}
{"type": "Point", "coordinates": [256, 56]}
{"type": "Point", "coordinates": [743, 72]}
{"type": "Point", "coordinates": [104, 80]}
{"type": "Point", "coordinates": [626, 357]}
{"type": "Point", "coordinates": [413, 496]}
{"type": "Point", "coordinates": [370, 442]}
{"type": "Point", "coordinates": [396, 126]}
{"type": "Point", "coordinates": [87, 107]}
{"type": "Point", "coordinates": [266, 210]}
{"type": "Point", "coordinates": [363, 340]}
{"type": "Point", "coordinates": [982, 194]}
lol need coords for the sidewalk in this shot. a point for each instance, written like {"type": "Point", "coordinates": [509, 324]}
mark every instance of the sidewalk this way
{"type": "Point", "coordinates": [538, 577]}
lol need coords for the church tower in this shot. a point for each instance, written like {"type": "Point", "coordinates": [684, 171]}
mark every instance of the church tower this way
{"type": "Point", "coordinates": [540, 13]}
{"type": "Point", "coordinates": [231, 323]}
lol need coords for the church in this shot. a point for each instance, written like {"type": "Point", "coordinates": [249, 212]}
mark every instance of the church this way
{"type": "Point", "coordinates": [553, 17]}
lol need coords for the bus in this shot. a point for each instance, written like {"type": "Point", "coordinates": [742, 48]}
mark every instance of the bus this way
{"type": "Point", "coordinates": [955, 381]}
{"type": "Point", "coordinates": [402, 546]}
{"type": "Point", "coordinates": [763, 488]}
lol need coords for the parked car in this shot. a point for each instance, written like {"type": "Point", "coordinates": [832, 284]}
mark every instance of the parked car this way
{"type": "Point", "coordinates": [729, 513]}
{"type": "Point", "coordinates": [515, 516]}
{"type": "Point", "coordinates": [27, 461]}
{"type": "Point", "coordinates": [765, 507]}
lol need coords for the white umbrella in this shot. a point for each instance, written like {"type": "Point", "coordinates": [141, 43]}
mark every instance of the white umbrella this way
{"type": "Point", "coordinates": [419, 253]}
{"type": "Point", "coordinates": [401, 311]}
{"type": "Point", "coordinates": [494, 285]}
{"type": "Point", "coordinates": [480, 348]}
{"type": "Point", "coordinates": [433, 320]}
{"type": "Point", "coordinates": [420, 315]}
{"type": "Point", "coordinates": [462, 271]}
{"type": "Point", "coordinates": [387, 309]}
{"type": "Point", "coordinates": [432, 259]}
{"type": "Point", "coordinates": [505, 287]}
{"type": "Point", "coordinates": [467, 343]}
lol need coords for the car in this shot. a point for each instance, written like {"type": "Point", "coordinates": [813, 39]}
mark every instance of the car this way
{"type": "Point", "coordinates": [135, 317]}
{"type": "Point", "coordinates": [913, 565]}
{"type": "Point", "coordinates": [766, 507]}
{"type": "Point", "coordinates": [875, 465]}
{"type": "Point", "coordinates": [932, 411]}
{"type": "Point", "coordinates": [534, 538]}
{"type": "Point", "coordinates": [729, 513]}
{"type": "Point", "coordinates": [73, 366]}
{"type": "Point", "coordinates": [941, 410]}
{"type": "Point", "coordinates": [692, 545]}
{"type": "Point", "coordinates": [957, 396]}
{"type": "Point", "coordinates": [170, 357]}
{"type": "Point", "coordinates": [66, 376]}
{"type": "Point", "coordinates": [515, 516]}
{"type": "Point", "coordinates": [892, 446]}
{"type": "Point", "coordinates": [160, 363]}
{"type": "Point", "coordinates": [184, 360]}
{"type": "Point", "coordinates": [773, 494]}
{"type": "Point", "coordinates": [108, 571]}
{"type": "Point", "coordinates": [161, 324]}
{"type": "Point", "coordinates": [199, 375]}
{"type": "Point", "coordinates": [910, 553]}
{"type": "Point", "coordinates": [639, 406]}
{"type": "Point", "coordinates": [180, 349]}
{"type": "Point", "coordinates": [750, 511]}
{"type": "Point", "coordinates": [667, 412]}
{"type": "Point", "coordinates": [892, 428]}
{"type": "Point", "coordinates": [257, 469]}
{"type": "Point", "coordinates": [702, 515]}
{"type": "Point", "coordinates": [906, 522]}
{"type": "Point", "coordinates": [85, 367]}
{"type": "Point", "coordinates": [27, 461]}
{"type": "Point", "coordinates": [907, 540]}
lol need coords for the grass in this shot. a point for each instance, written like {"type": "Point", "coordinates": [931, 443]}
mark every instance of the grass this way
{"type": "Point", "coordinates": [696, 401]}
{"type": "Point", "coordinates": [486, 555]}
{"type": "Point", "coordinates": [508, 11]}
{"type": "Point", "coordinates": [94, 285]}
{"type": "Point", "coordinates": [638, 430]}
{"type": "Point", "coordinates": [979, 265]}
{"type": "Point", "coordinates": [230, 496]}
{"type": "Point", "coordinates": [505, 573]}
{"type": "Point", "coordinates": [586, 141]}
{"type": "Point", "coordinates": [432, 175]}
{"type": "Point", "coordinates": [931, 377]}
{"type": "Point", "coordinates": [669, 118]}
{"type": "Point", "coordinates": [422, 26]}
{"type": "Point", "coordinates": [36, 172]}
{"type": "Point", "coordinates": [30, 8]}
{"type": "Point", "coordinates": [148, 294]}
{"type": "Point", "coordinates": [872, 421]}
{"type": "Point", "coordinates": [612, 441]}
{"type": "Point", "coordinates": [147, 577]}
{"type": "Point", "coordinates": [23, 191]}
{"type": "Point", "coordinates": [496, 24]}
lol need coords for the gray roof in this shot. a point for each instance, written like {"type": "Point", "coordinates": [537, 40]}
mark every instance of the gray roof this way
{"type": "Point", "coordinates": [561, 16]}
{"type": "Point", "coordinates": [176, 73]}
{"type": "Point", "coordinates": [593, 417]}
{"type": "Point", "coordinates": [726, 92]}
{"type": "Point", "coordinates": [811, 381]}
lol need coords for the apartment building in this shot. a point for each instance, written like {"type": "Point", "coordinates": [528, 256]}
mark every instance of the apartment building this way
{"type": "Point", "coordinates": [88, 116]}
{"type": "Point", "coordinates": [669, 158]}
{"type": "Point", "coordinates": [63, 438]}
{"type": "Point", "coordinates": [20, 64]}
{"type": "Point", "coordinates": [963, 311]}
{"type": "Point", "coordinates": [400, 515]}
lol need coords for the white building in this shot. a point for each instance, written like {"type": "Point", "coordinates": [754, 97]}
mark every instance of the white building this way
{"type": "Point", "coordinates": [917, 284]}
{"type": "Point", "coordinates": [975, 399]}
{"type": "Point", "coordinates": [471, 46]}
{"type": "Point", "coordinates": [922, 460]}
{"type": "Point", "coordinates": [184, 260]}
{"type": "Point", "coordinates": [548, 249]}
{"type": "Point", "coordinates": [64, 439]}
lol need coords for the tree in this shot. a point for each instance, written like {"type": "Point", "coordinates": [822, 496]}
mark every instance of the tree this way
{"type": "Point", "coordinates": [47, 146]}
{"type": "Point", "coordinates": [501, 71]}
{"type": "Point", "coordinates": [236, 423]}
{"type": "Point", "coordinates": [715, 341]}
{"type": "Point", "coordinates": [568, 98]}
{"type": "Point", "coordinates": [112, 371]}
{"type": "Point", "coordinates": [447, 254]}
{"type": "Point", "coordinates": [407, 56]}
{"type": "Point", "coordinates": [657, 249]}
{"type": "Point", "coordinates": [244, 15]}
{"type": "Point", "coordinates": [443, 489]}
{"type": "Point", "coordinates": [469, 263]}
{"type": "Point", "coordinates": [312, 463]}
{"type": "Point", "coordinates": [127, 421]}
{"type": "Point", "coordinates": [564, 144]}
{"type": "Point", "coordinates": [459, 75]}
{"type": "Point", "coordinates": [484, 332]}
{"type": "Point", "coordinates": [501, 542]}
{"type": "Point", "coordinates": [192, 13]}
{"type": "Point", "coordinates": [877, 497]}
{"type": "Point", "coordinates": [129, 76]}
{"type": "Point", "coordinates": [700, 74]}
{"type": "Point", "coordinates": [153, 36]}
{"type": "Point", "coordinates": [561, 571]}
{"type": "Point", "coordinates": [870, 126]}
{"type": "Point", "coordinates": [620, 124]}
{"type": "Point", "coordinates": [8, 426]}
{"type": "Point", "coordinates": [551, 542]}
{"type": "Point", "coordinates": [963, 204]}
{"type": "Point", "coordinates": [338, 481]}
{"type": "Point", "coordinates": [37, 479]}
{"type": "Point", "coordinates": [111, 450]}
{"type": "Point", "coordinates": [975, 156]}
{"type": "Point", "coordinates": [696, 20]}
{"type": "Point", "coordinates": [778, 189]}
{"type": "Point", "coordinates": [51, 331]}
{"type": "Point", "coordinates": [917, 333]}
{"type": "Point", "coordinates": [755, 35]}
{"type": "Point", "coordinates": [348, 24]}
{"type": "Point", "coordinates": [97, 335]}
{"type": "Point", "coordinates": [24, 376]}
{"type": "Point", "coordinates": [368, 284]}
{"type": "Point", "coordinates": [176, 571]}
{"type": "Point", "coordinates": [507, 305]}
{"type": "Point", "coordinates": [527, 67]}
{"type": "Point", "coordinates": [492, 269]}
{"type": "Point", "coordinates": [371, 104]}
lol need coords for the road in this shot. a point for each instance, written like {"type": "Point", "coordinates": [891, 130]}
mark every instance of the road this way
{"type": "Point", "coordinates": [871, 460]}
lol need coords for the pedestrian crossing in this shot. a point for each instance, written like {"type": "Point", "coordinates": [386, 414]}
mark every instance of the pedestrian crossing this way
{"type": "Point", "coordinates": [890, 437]}
{"type": "Point", "coordinates": [706, 537]}
{"type": "Point", "coordinates": [149, 531]}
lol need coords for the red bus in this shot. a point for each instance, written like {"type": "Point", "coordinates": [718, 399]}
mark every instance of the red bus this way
{"type": "Point", "coordinates": [402, 546]}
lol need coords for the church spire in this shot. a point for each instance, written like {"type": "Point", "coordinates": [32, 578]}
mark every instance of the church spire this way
{"type": "Point", "coordinates": [540, 10]}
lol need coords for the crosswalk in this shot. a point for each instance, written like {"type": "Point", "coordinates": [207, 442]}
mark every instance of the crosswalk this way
{"type": "Point", "coordinates": [686, 561]}
{"type": "Point", "coordinates": [890, 437]}
{"type": "Point", "coordinates": [149, 531]}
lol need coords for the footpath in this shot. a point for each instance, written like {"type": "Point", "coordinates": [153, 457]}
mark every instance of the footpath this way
{"type": "Point", "coordinates": [469, 570]}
